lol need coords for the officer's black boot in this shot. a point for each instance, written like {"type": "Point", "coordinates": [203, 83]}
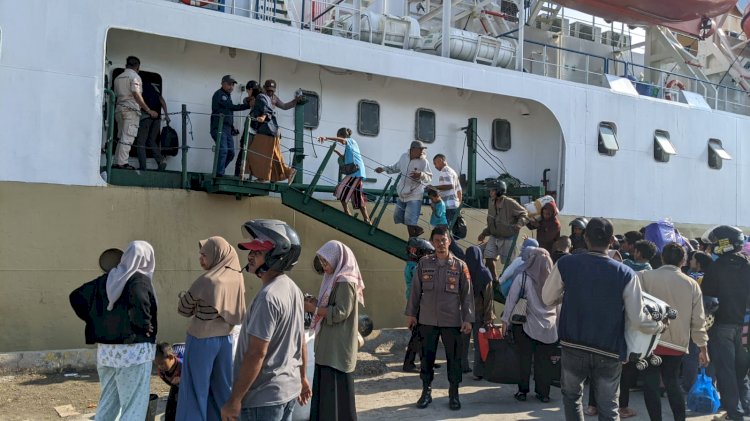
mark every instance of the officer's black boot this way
{"type": "Point", "coordinates": [453, 401]}
{"type": "Point", "coordinates": [409, 365]}
{"type": "Point", "coordinates": [426, 397]}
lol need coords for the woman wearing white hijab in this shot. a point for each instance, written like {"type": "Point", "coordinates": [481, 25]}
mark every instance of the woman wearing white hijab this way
{"type": "Point", "coordinates": [126, 330]}
{"type": "Point", "coordinates": [335, 322]}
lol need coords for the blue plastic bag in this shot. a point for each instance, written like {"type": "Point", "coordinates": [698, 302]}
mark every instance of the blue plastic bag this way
{"type": "Point", "coordinates": [703, 397]}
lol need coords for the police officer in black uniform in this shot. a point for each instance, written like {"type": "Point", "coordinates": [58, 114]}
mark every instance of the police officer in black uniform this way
{"type": "Point", "coordinates": [221, 103]}
{"type": "Point", "coordinates": [441, 298]}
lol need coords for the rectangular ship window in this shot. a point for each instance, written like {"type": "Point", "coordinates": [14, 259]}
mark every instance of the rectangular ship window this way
{"type": "Point", "coordinates": [424, 127]}
{"type": "Point", "coordinates": [716, 154]}
{"type": "Point", "coordinates": [608, 139]}
{"type": "Point", "coordinates": [312, 110]}
{"type": "Point", "coordinates": [368, 118]}
{"type": "Point", "coordinates": [501, 140]}
{"type": "Point", "coordinates": [663, 147]}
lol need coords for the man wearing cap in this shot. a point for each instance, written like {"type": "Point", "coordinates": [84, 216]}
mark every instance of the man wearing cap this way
{"type": "Point", "coordinates": [415, 174]}
{"type": "Point", "coordinates": [269, 87]}
{"type": "Point", "coordinates": [271, 361]}
{"type": "Point", "coordinates": [599, 296]}
{"type": "Point", "coordinates": [221, 103]}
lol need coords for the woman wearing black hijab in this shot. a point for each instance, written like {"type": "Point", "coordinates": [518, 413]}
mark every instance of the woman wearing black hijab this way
{"type": "Point", "coordinates": [481, 284]}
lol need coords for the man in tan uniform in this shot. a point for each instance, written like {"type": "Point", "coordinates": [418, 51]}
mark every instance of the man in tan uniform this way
{"type": "Point", "coordinates": [505, 218]}
{"type": "Point", "coordinates": [129, 89]}
{"type": "Point", "coordinates": [442, 299]}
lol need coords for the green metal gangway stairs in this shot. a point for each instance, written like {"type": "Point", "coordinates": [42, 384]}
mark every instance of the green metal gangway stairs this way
{"type": "Point", "coordinates": [300, 198]}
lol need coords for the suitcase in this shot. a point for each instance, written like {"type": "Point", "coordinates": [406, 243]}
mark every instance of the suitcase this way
{"type": "Point", "coordinates": [641, 345]}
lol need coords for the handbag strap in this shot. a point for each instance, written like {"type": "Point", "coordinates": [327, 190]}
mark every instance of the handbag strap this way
{"type": "Point", "coordinates": [522, 291]}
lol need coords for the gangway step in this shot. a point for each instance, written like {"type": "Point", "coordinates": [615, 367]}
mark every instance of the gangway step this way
{"type": "Point", "coordinates": [335, 218]}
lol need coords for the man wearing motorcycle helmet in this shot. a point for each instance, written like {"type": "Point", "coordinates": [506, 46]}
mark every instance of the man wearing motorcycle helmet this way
{"type": "Point", "coordinates": [577, 229]}
{"type": "Point", "coordinates": [728, 279]}
{"type": "Point", "coordinates": [270, 365]}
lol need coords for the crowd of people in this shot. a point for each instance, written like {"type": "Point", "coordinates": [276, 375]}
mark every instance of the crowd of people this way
{"type": "Point", "coordinates": [571, 297]}
{"type": "Point", "coordinates": [577, 304]}
{"type": "Point", "coordinates": [237, 362]}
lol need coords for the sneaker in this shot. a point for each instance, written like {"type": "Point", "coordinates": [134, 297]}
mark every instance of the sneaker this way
{"type": "Point", "coordinates": [591, 411]}
{"type": "Point", "coordinates": [721, 416]}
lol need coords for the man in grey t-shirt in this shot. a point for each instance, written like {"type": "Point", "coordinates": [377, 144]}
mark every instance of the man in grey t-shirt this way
{"type": "Point", "coordinates": [270, 364]}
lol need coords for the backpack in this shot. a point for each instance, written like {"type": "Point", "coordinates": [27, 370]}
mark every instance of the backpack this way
{"type": "Point", "coordinates": [168, 141]}
{"type": "Point", "coordinates": [84, 302]}
{"type": "Point", "coordinates": [459, 228]}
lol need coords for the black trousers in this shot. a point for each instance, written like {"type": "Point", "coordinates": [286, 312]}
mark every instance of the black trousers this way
{"type": "Point", "coordinates": [333, 395]}
{"type": "Point", "coordinates": [148, 132]}
{"type": "Point", "coordinates": [414, 347]}
{"type": "Point", "coordinates": [171, 412]}
{"type": "Point", "coordinates": [628, 379]}
{"type": "Point", "coordinates": [669, 373]}
{"type": "Point", "coordinates": [451, 337]}
{"type": "Point", "coordinates": [541, 354]}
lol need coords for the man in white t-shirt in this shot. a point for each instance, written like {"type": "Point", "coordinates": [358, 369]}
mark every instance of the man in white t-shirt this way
{"type": "Point", "coordinates": [448, 186]}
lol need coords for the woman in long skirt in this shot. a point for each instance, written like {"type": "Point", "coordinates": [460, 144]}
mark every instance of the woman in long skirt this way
{"type": "Point", "coordinates": [215, 304]}
{"type": "Point", "coordinates": [335, 322]}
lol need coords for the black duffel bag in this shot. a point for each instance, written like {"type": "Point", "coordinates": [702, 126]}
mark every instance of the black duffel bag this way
{"type": "Point", "coordinates": [503, 363]}
{"type": "Point", "coordinates": [168, 141]}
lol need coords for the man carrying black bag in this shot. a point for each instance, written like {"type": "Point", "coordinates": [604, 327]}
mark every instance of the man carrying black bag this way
{"type": "Point", "coordinates": [441, 298]}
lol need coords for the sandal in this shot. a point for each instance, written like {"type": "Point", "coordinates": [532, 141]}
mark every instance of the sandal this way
{"type": "Point", "coordinates": [542, 398]}
{"type": "Point", "coordinates": [123, 167]}
{"type": "Point", "coordinates": [626, 413]}
{"type": "Point", "coordinates": [520, 396]}
{"type": "Point", "coordinates": [591, 411]}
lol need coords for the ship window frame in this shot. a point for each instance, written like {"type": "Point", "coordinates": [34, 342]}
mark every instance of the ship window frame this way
{"type": "Point", "coordinates": [663, 146]}
{"type": "Point", "coordinates": [717, 154]}
{"type": "Point", "coordinates": [499, 140]}
{"type": "Point", "coordinates": [604, 149]}
{"type": "Point", "coordinates": [315, 122]}
{"type": "Point", "coordinates": [425, 134]}
{"type": "Point", "coordinates": [362, 125]}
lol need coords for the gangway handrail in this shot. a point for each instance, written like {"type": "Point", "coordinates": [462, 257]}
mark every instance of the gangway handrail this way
{"type": "Point", "coordinates": [376, 223]}
{"type": "Point", "coordinates": [318, 174]}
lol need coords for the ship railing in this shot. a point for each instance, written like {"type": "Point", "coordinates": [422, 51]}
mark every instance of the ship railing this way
{"type": "Point", "coordinates": [591, 69]}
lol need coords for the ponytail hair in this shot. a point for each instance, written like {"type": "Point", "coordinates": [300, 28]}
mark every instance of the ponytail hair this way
{"type": "Point", "coordinates": [344, 132]}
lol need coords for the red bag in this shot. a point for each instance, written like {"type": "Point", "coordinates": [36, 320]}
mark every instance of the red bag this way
{"type": "Point", "coordinates": [485, 334]}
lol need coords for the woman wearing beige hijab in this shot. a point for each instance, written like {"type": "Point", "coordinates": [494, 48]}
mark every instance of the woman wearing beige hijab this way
{"type": "Point", "coordinates": [215, 304]}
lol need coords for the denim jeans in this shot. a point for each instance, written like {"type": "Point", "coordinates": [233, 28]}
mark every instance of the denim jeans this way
{"type": "Point", "coordinates": [226, 150]}
{"type": "Point", "coordinates": [282, 412]}
{"type": "Point", "coordinates": [407, 213]}
{"type": "Point", "coordinates": [604, 373]}
{"type": "Point", "coordinates": [690, 366]}
{"type": "Point", "coordinates": [725, 349]}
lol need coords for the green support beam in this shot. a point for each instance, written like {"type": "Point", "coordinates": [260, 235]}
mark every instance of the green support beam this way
{"type": "Point", "coordinates": [471, 145]}
{"type": "Point", "coordinates": [299, 141]}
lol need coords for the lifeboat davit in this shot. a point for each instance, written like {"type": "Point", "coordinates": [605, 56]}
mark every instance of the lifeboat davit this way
{"type": "Point", "coordinates": [687, 16]}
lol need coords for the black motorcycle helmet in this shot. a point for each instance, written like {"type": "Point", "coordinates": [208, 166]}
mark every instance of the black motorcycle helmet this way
{"type": "Point", "coordinates": [498, 185]}
{"type": "Point", "coordinates": [417, 248]}
{"type": "Point", "coordinates": [365, 325]}
{"type": "Point", "coordinates": [580, 222]}
{"type": "Point", "coordinates": [726, 239]}
{"type": "Point", "coordinates": [286, 244]}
